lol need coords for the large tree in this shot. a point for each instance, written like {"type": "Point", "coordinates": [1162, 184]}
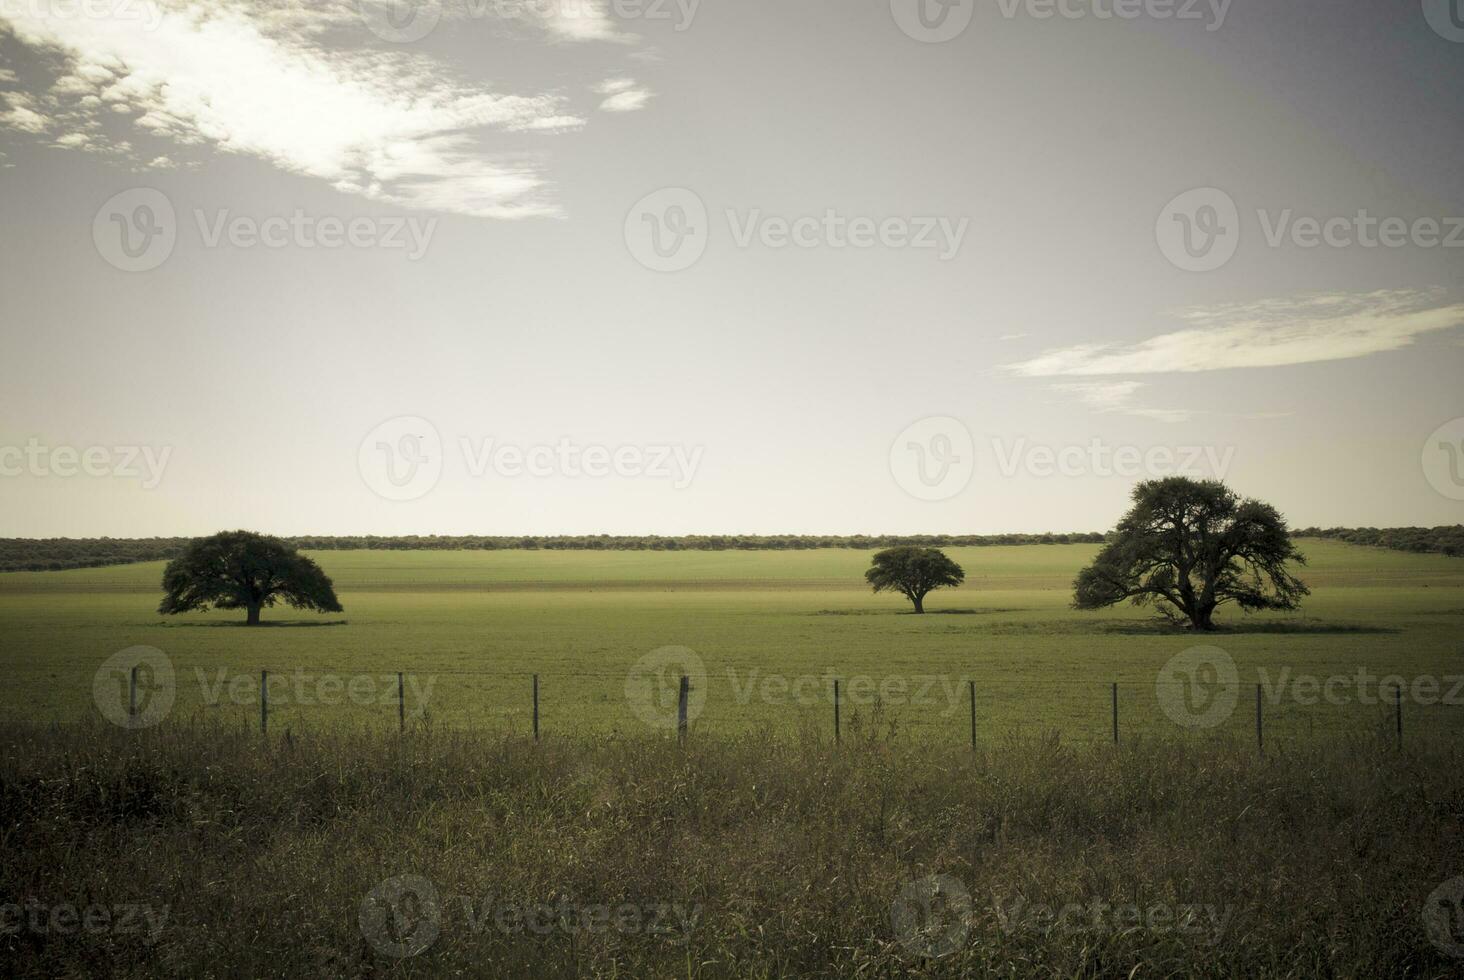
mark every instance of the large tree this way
{"type": "Point", "coordinates": [1189, 547]}
{"type": "Point", "coordinates": [914, 572]}
{"type": "Point", "coordinates": [244, 570]}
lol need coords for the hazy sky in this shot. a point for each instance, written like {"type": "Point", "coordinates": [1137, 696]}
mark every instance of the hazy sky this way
{"type": "Point", "coordinates": [763, 266]}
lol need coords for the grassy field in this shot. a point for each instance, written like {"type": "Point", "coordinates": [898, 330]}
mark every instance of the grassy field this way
{"type": "Point", "coordinates": [772, 630]}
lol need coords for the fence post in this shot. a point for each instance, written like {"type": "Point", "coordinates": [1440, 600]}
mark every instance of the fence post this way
{"type": "Point", "coordinates": [1398, 711]}
{"type": "Point", "coordinates": [836, 711]}
{"type": "Point", "coordinates": [132, 694]}
{"type": "Point", "coordinates": [973, 715]}
{"type": "Point", "coordinates": [536, 707]}
{"type": "Point", "coordinates": [264, 702]}
{"type": "Point", "coordinates": [681, 708]}
{"type": "Point", "coordinates": [401, 704]}
{"type": "Point", "coordinates": [1115, 712]}
{"type": "Point", "coordinates": [1260, 740]}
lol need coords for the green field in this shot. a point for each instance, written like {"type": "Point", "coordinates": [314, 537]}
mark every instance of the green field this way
{"type": "Point", "coordinates": [773, 628]}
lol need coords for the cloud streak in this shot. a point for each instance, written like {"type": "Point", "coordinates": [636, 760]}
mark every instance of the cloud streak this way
{"type": "Point", "coordinates": [1272, 333]}
{"type": "Point", "coordinates": [253, 79]}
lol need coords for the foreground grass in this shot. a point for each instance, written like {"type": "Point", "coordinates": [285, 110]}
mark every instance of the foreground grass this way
{"type": "Point", "coordinates": [230, 855]}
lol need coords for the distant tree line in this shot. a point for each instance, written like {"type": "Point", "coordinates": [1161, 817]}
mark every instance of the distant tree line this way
{"type": "Point", "coordinates": [54, 554]}
{"type": "Point", "coordinates": [1444, 540]}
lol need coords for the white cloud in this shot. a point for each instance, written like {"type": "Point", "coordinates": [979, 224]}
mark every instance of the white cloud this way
{"type": "Point", "coordinates": [1271, 333]}
{"type": "Point", "coordinates": [1012, 336]}
{"type": "Point", "coordinates": [252, 79]}
{"type": "Point", "coordinates": [624, 95]}
{"type": "Point", "coordinates": [7, 76]}
{"type": "Point", "coordinates": [1118, 397]}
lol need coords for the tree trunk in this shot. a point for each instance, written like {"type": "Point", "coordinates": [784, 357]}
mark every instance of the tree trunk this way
{"type": "Point", "coordinates": [1204, 619]}
{"type": "Point", "coordinates": [253, 619]}
{"type": "Point", "coordinates": [919, 601]}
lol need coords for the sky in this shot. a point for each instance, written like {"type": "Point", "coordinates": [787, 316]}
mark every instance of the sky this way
{"type": "Point", "coordinates": [704, 266]}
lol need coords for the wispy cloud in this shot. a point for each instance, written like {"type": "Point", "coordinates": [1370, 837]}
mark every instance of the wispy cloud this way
{"type": "Point", "coordinates": [1012, 336]}
{"type": "Point", "coordinates": [253, 78]}
{"type": "Point", "coordinates": [1118, 397]}
{"type": "Point", "coordinates": [623, 95]}
{"type": "Point", "coordinates": [1271, 333]}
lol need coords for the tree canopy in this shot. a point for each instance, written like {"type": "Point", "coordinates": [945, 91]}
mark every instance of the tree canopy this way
{"type": "Point", "coordinates": [244, 570]}
{"type": "Point", "coordinates": [1191, 546]}
{"type": "Point", "coordinates": [914, 572]}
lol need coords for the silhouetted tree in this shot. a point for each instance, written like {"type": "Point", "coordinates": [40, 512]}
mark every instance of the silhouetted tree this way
{"type": "Point", "coordinates": [244, 570]}
{"type": "Point", "coordinates": [1194, 545]}
{"type": "Point", "coordinates": [914, 572]}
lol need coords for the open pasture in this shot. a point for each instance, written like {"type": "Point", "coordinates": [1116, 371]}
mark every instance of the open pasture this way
{"type": "Point", "coordinates": [772, 630]}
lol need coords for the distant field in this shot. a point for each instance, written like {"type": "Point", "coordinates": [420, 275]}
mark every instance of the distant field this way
{"type": "Point", "coordinates": [474, 626]}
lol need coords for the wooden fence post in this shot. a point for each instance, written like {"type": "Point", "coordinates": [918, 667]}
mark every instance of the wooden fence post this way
{"type": "Point", "coordinates": [681, 708]}
{"type": "Point", "coordinates": [1115, 712]}
{"type": "Point", "coordinates": [132, 694]}
{"type": "Point", "coordinates": [973, 715]}
{"type": "Point", "coordinates": [401, 704]}
{"type": "Point", "coordinates": [837, 734]}
{"type": "Point", "coordinates": [536, 707]}
{"type": "Point", "coordinates": [1398, 711]}
{"type": "Point", "coordinates": [264, 702]}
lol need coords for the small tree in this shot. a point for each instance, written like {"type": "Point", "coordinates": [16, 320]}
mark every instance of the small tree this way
{"type": "Point", "coordinates": [914, 572]}
{"type": "Point", "coordinates": [1193, 546]}
{"type": "Point", "coordinates": [244, 570]}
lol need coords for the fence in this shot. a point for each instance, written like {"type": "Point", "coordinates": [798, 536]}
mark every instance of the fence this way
{"type": "Point", "coordinates": [943, 707]}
